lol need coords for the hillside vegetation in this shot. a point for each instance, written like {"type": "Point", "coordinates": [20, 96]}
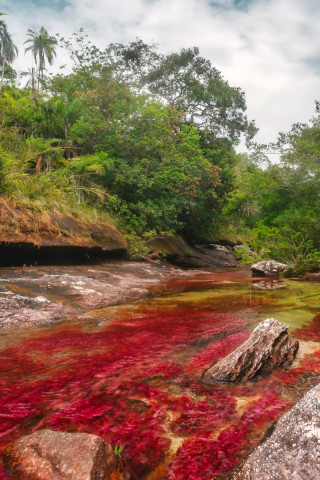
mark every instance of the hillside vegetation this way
{"type": "Point", "coordinates": [147, 140]}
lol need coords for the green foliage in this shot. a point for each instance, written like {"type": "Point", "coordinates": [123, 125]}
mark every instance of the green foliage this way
{"type": "Point", "coordinates": [115, 135]}
{"type": "Point", "coordinates": [118, 449]}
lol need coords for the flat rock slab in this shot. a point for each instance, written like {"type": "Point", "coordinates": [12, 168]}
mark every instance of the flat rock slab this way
{"type": "Point", "coordinates": [50, 455]}
{"type": "Point", "coordinates": [268, 268]}
{"type": "Point", "coordinates": [293, 450]}
{"type": "Point", "coordinates": [268, 347]}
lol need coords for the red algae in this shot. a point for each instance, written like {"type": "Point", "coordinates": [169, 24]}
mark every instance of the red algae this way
{"type": "Point", "coordinates": [205, 458]}
{"type": "Point", "coordinates": [310, 331]}
{"type": "Point", "coordinates": [214, 352]}
{"type": "Point", "coordinates": [103, 382]}
{"type": "Point", "coordinates": [136, 382]}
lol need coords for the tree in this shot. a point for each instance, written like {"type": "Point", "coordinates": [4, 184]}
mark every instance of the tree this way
{"type": "Point", "coordinates": [42, 46]}
{"type": "Point", "coordinates": [189, 82]}
{"type": "Point", "coordinates": [8, 51]}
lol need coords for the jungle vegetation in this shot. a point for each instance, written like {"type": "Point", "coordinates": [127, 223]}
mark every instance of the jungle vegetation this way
{"type": "Point", "coordinates": [150, 139]}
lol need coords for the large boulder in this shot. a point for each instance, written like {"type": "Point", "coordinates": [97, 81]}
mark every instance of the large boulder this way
{"type": "Point", "coordinates": [268, 268]}
{"type": "Point", "coordinates": [219, 255]}
{"type": "Point", "coordinates": [267, 348]}
{"type": "Point", "coordinates": [50, 455]}
{"type": "Point", "coordinates": [293, 450]}
{"type": "Point", "coordinates": [179, 253]}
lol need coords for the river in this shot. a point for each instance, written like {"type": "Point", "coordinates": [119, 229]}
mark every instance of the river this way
{"type": "Point", "coordinates": [131, 373]}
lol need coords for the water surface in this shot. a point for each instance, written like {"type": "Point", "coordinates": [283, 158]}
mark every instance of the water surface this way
{"type": "Point", "coordinates": [132, 373]}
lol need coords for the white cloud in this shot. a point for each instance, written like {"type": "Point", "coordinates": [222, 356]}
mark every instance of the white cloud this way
{"type": "Point", "coordinates": [269, 49]}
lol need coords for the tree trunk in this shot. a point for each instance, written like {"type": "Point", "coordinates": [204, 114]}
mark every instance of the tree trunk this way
{"type": "Point", "coordinates": [2, 72]}
{"type": "Point", "coordinates": [33, 84]}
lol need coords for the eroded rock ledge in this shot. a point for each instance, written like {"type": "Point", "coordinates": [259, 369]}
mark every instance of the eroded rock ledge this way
{"type": "Point", "coordinates": [293, 450]}
{"type": "Point", "coordinates": [268, 347]}
{"type": "Point", "coordinates": [28, 236]}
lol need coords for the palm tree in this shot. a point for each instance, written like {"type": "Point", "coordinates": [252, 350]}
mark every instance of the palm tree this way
{"type": "Point", "coordinates": [42, 46]}
{"type": "Point", "coordinates": [3, 25]}
{"type": "Point", "coordinates": [8, 51]}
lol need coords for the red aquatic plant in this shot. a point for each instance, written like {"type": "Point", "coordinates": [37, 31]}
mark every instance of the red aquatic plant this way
{"type": "Point", "coordinates": [205, 458]}
{"type": "Point", "coordinates": [214, 352]}
{"type": "Point", "coordinates": [136, 382]}
{"type": "Point", "coordinates": [311, 331]}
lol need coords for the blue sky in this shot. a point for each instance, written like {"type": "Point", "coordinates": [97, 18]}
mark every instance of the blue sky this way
{"type": "Point", "coordinates": [269, 48]}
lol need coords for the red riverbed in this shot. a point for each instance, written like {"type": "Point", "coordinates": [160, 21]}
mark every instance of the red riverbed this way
{"type": "Point", "coordinates": [134, 378]}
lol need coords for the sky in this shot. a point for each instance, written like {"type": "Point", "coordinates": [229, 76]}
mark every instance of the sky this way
{"type": "Point", "coordinates": [269, 48]}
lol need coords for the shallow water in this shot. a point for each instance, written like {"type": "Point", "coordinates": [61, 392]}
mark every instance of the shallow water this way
{"type": "Point", "coordinates": [131, 373]}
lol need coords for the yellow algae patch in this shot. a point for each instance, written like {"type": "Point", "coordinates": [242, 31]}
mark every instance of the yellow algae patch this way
{"type": "Point", "coordinates": [243, 402]}
{"type": "Point", "coordinates": [305, 348]}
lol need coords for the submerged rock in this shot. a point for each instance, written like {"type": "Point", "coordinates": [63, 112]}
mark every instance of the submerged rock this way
{"type": "Point", "coordinates": [268, 268]}
{"type": "Point", "coordinates": [267, 348]}
{"type": "Point", "coordinates": [293, 450]}
{"type": "Point", "coordinates": [50, 455]}
{"type": "Point", "coordinates": [312, 277]}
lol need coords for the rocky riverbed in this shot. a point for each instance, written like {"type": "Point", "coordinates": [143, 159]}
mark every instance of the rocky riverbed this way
{"type": "Point", "coordinates": [131, 373]}
{"type": "Point", "coordinates": [42, 296]}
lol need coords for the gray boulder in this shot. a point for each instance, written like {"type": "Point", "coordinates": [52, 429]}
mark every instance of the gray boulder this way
{"type": "Point", "coordinates": [293, 450]}
{"type": "Point", "coordinates": [268, 347]}
{"type": "Point", "coordinates": [268, 268]}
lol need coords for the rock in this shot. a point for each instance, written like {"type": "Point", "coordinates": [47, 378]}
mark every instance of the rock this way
{"type": "Point", "coordinates": [32, 237]}
{"type": "Point", "coordinates": [312, 277]}
{"type": "Point", "coordinates": [50, 455]}
{"type": "Point", "coordinates": [179, 253]}
{"type": "Point", "coordinates": [218, 255]}
{"type": "Point", "coordinates": [268, 268]}
{"type": "Point", "coordinates": [219, 248]}
{"type": "Point", "coordinates": [267, 348]}
{"type": "Point", "coordinates": [293, 450]}
{"type": "Point", "coordinates": [226, 242]}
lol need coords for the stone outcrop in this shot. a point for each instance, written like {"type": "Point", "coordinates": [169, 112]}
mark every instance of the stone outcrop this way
{"type": "Point", "coordinates": [268, 268]}
{"type": "Point", "coordinates": [219, 255]}
{"type": "Point", "coordinates": [267, 348]}
{"type": "Point", "coordinates": [178, 252]}
{"type": "Point", "coordinates": [293, 450]}
{"type": "Point", "coordinates": [28, 236]}
{"type": "Point", "coordinates": [50, 455]}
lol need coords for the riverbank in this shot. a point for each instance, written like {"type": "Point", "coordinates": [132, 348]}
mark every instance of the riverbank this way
{"type": "Point", "coordinates": [40, 296]}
